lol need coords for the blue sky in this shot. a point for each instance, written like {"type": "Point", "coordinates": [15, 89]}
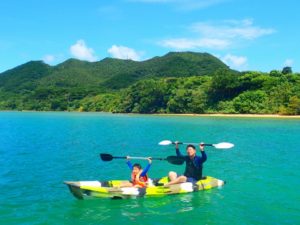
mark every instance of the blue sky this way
{"type": "Point", "coordinates": [246, 35]}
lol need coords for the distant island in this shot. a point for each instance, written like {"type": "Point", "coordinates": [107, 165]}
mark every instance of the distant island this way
{"type": "Point", "coordinates": [178, 82]}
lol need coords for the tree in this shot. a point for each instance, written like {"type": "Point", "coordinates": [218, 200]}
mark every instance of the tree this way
{"type": "Point", "coordinates": [279, 96]}
{"type": "Point", "coordinates": [146, 96]}
{"type": "Point", "coordinates": [251, 102]}
{"type": "Point", "coordinates": [198, 101]}
{"type": "Point", "coordinates": [225, 85]}
{"type": "Point", "coordinates": [275, 73]}
{"type": "Point", "coordinates": [287, 70]}
{"type": "Point", "coordinates": [179, 101]}
{"type": "Point", "coordinates": [294, 106]}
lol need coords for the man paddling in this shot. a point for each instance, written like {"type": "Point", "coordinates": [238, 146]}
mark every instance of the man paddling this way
{"type": "Point", "coordinates": [193, 168]}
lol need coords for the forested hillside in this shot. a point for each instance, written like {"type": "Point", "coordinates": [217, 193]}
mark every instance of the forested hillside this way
{"type": "Point", "coordinates": [175, 83]}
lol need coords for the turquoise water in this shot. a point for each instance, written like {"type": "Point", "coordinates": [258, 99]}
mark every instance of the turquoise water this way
{"type": "Point", "coordinates": [40, 150]}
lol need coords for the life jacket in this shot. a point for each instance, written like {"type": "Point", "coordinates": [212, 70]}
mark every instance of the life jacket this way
{"type": "Point", "coordinates": [138, 180]}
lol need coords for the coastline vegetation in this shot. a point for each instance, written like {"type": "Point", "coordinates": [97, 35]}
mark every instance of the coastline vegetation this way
{"type": "Point", "coordinates": [183, 83]}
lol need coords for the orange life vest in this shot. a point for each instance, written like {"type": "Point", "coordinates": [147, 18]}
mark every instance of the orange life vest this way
{"type": "Point", "coordinates": [139, 181]}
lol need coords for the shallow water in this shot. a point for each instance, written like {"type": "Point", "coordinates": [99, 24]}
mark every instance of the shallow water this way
{"type": "Point", "coordinates": [41, 150]}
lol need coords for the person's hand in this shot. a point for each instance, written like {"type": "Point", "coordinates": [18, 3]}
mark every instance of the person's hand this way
{"type": "Point", "coordinates": [201, 146]}
{"type": "Point", "coordinates": [149, 160]}
{"type": "Point", "coordinates": [128, 158]}
{"type": "Point", "coordinates": [176, 144]}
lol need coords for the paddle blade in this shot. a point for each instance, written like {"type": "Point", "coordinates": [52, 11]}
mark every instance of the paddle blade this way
{"type": "Point", "coordinates": [106, 157]}
{"type": "Point", "coordinates": [176, 160]}
{"type": "Point", "coordinates": [165, 142]}
{"type": "Point", "coordinates": [223, 145]}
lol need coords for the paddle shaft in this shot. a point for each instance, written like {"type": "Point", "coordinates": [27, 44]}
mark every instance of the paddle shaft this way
{"type": "Point", "coordinates": [185, 143]}
{"type": "Point", "coordinates": [171, 159]}
{"type": "Point", "coordinates": [135, 157]}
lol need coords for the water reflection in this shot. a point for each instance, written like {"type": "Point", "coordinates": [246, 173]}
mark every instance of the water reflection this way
{"type": "Point", "coordinates": [89, 210]}
{"type": "Point", "coordinates": [133, 211]}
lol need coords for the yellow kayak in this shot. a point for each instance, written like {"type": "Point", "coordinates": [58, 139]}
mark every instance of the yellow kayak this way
{"type": "Point", "coordinates": [112, 189]}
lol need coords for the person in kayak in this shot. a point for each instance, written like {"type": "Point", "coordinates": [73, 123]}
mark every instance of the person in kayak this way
{"type": "Point", "coordinates": [193, 167]}
{"type": "Point", "coordinates": [139, 176]}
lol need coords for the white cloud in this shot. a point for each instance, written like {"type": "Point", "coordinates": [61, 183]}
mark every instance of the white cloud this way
{"type": "Point", "coordinates": [217, 35]}
{"type": "Point", "coordinates": [288, 62]}
{"type": "Point", "coordinates": [122, 52]}
{"type": "Point", "coordinates": [185, 43]}
{"type": "Point", "coordinates": [49, 59]}
{"type": "Point", "coordinates": [230, 29]}
{"type": "Point", "coordinates": [235, 62]}
{"type": "Point", "coordinates": [80, 51]}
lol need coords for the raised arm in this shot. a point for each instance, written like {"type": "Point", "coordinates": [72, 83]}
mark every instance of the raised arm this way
{"type": "Point", "coordinates": [203, 157]}
{"type": "Point", "coordinates": [145, 171]}
{"type": "Point", "coordinates": [129, 163]}
{"type": "Point", "coordinates": [203, 154]}
{"type": "Point", "coordinates": [199, 160]}
{"type": "Point", "coordinates": [178, 153]}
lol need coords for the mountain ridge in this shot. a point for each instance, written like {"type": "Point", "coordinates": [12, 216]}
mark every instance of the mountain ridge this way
{"type": "Point", "coordinates": [110, 73]}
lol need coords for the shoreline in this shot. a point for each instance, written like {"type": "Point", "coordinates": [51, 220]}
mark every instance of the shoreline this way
{"type": "Point", "coordinates": [174, 114]}
{"type": "Point", "coordinates": [235, 115]}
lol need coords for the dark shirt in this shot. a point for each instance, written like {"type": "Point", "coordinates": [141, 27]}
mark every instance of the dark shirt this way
{"type": "Point", "coordinates": [193, 167]}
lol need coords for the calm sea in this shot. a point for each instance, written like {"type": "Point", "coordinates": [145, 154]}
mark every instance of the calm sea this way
{"type": "Point", "coordinates": [38, 151]}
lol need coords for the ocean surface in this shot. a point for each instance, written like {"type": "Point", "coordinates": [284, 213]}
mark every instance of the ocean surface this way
{"type": "Point", "coordinates": [40, 150]}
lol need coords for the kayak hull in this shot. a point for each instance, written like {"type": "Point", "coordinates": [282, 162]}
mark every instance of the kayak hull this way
{"type": "Point", "coordinates": [111, 189]}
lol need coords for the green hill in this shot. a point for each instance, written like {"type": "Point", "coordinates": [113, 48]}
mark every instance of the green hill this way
{"type": "Point", "coordinates": [185, 82]}
{"type": "Point", "coordinates": [24, 77]}
{"type": "Point", "coordinates": [183, 64]}
{"type": "Point", "coordinates": [108, 73]}
{"type": "Point", "coordinates": [77, 79]}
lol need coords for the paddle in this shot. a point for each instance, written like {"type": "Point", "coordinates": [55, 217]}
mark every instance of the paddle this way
{"type": "Point", "coordinates": [222, 145]}
{"type": "Point", "coordinates": [176, 160]}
